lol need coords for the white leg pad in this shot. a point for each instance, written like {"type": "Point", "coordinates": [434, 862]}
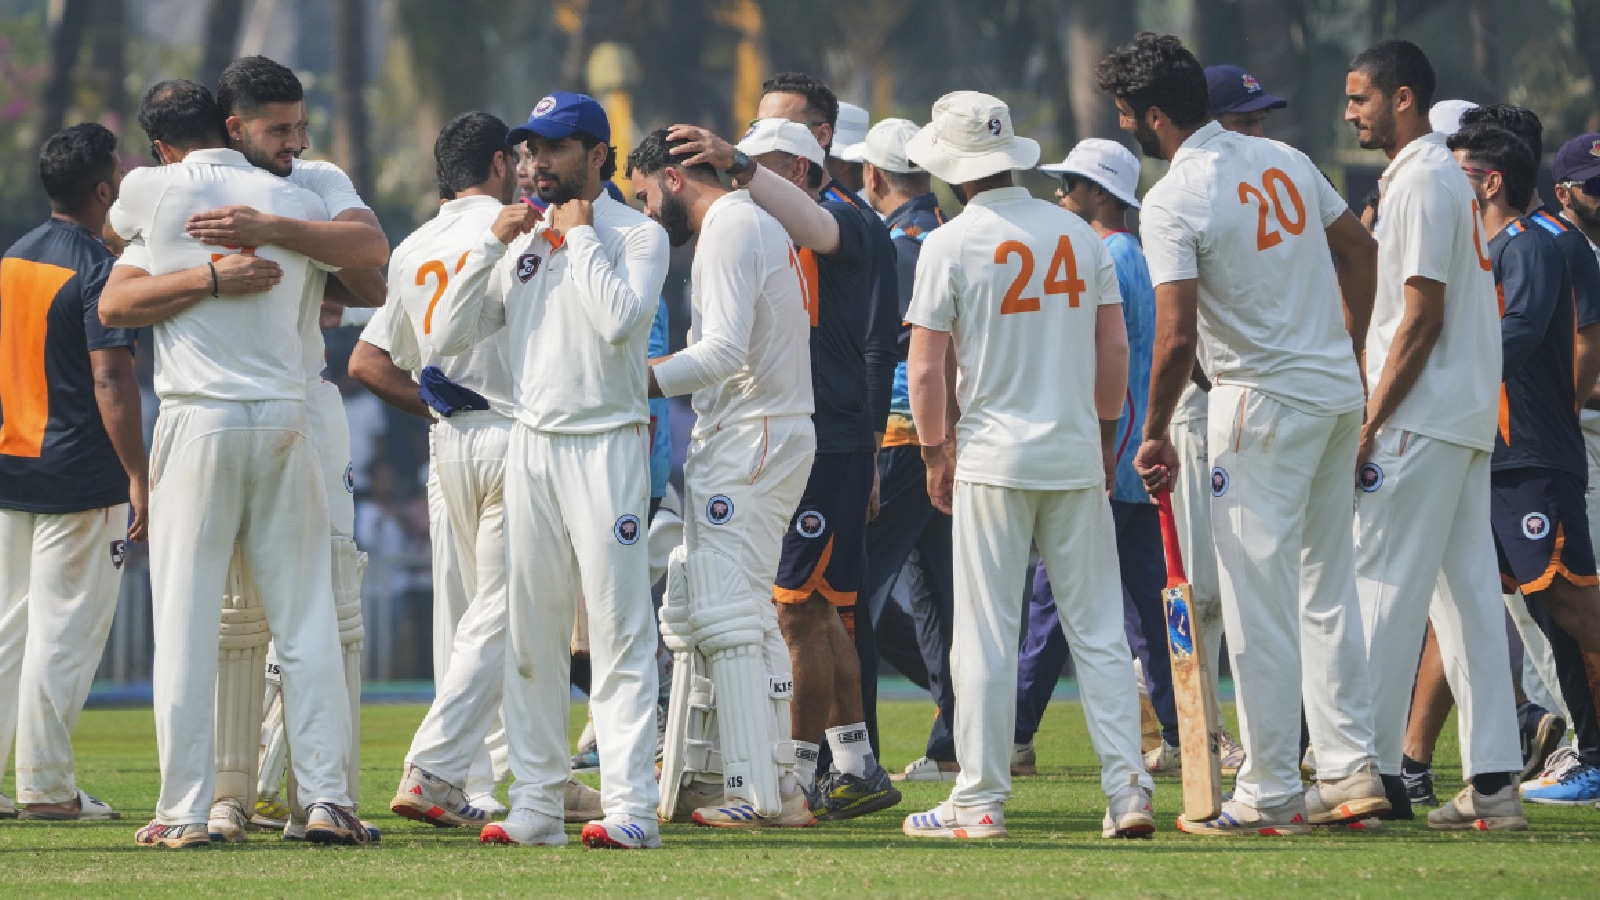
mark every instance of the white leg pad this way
{"type": "Point", "coordinates": [274, 741]}
{"type": "Point", "coordinates": [348, 566]}
{"type": "Point", "coordinates": [241, 683]}
{"type": "Point", "coordinates": [679, 640]}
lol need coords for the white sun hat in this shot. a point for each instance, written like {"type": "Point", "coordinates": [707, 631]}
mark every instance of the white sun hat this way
{"type": "Point", "coordinates": [1106, 163]}
{"type": "Point", "coordinates": [767, 135]}
{"type": "Point", "coordinates": [850, 133]}
{"type": "Point", "coordinates": [971, 137]}
{"type": "Point", "coordinates": [885, 146]}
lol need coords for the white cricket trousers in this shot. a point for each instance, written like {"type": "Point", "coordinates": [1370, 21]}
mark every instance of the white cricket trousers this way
{"type": "Point", "coordinates": [1282, 519]}
{"type": "Point", "coordinates": [574, 510]}
{"type": "Point", "coordinates": [226, 472]}
{"type": "Point", "coordinates": [1191, 513]}
{"type": "Point", "coordinates": [59, 577]}
{"type": "Point", "coordinates": [467, 459]}
{"type": "Point", "coordinates": [330, 434]}
{"type": "Point", "coordinates": [993, 528]}
{"type": "Point", "coordinates": [1424, 550]}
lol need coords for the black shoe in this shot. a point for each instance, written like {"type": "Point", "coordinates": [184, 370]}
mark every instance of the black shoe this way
{"type": "Point", "coordinates": [1394, 787]}
{"type": "Point", "coordinates": [1541, 731]}
{"type": "Point", "coordinates": [844, 796]}
{"type": "Point", "coordinates": [1419, 787]}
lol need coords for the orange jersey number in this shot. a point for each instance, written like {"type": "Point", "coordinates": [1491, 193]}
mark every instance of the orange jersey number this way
{"type": "Point", "coordinates": [435, 268]}
{"type": "Point", "coordinates": [1277, 186]}
{"type": "Point", "coordinates": [1060, 278]}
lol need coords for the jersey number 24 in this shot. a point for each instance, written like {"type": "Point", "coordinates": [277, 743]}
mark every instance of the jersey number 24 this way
{"type": "Point", "coordinates": [1060, 278]}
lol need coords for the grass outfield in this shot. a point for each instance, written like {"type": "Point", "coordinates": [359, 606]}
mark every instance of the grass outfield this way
{"type": "Point", "coordinates": [1055, 848]}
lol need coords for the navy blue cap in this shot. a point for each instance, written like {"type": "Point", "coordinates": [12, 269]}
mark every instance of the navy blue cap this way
{"type": "Point", "coordinates": [1578, 159]}
{"type": "Point", "coordinates": [559, 115]}
{"type": "Point", "coordinates": [1233, 90]}
{"type": "Point", "coordinates": [612, 189]}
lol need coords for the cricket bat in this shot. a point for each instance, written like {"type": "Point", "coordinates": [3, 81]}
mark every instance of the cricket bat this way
{"type": "Point", "coordinates": [1197, 706]}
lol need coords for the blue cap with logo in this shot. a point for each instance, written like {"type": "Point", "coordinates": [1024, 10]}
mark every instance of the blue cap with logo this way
{"type": "Point", "coordinates": [1578, 159]}
{"type": "Point", "coordinates": [559, 115]}
{"type": "Point", "coordinates": [1233, 90]}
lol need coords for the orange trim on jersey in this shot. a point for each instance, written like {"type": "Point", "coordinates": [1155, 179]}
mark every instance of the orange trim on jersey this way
{"type": "Point", "coordinates": [556, 239]}
{"type": "Point", "coordinates": [808, 273]}
{"type": "Point", "coordinates": [29, 289]}
{"type": "Point", "coordinates": [900, 431]}
{"type": "Point", "coordinates": [816, 584]}
{"type": "Point", "coordinates": [1557, 567]}
{"type": "Point", "coordinates": [1505, 415]}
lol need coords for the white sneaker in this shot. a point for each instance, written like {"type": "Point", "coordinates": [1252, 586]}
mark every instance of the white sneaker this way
{"type": "Point", "coordinates": [525, 828]}
{"type": "Point", "coordinates": [1128, 814]}
{"type": "Point", "coordinates": [486, 802]}
{"type": "Point", "coordinates": [697, 794]}
{"type": "Point", "coordinates": [1164, 760]}
{"type": "Point", "coordinates": [926, 769]}
{"type": "Point", "coordinates": [425, 797]}
{"type": "Point", "coordinates": [330, 824]}
{"type": "Point", "coordinates": [90, 809]}
{"type": "Point", "coordinates": [742, 815]}
{"type": "Point", "coordinates": [8, 810]}
{"type": "Point", "coordinates": [946, 821]}
{"type": "Point", "coordinates": [227, 823]}
{"type": "Point", "coordinates": [1556, 766]}
{"type": "Point", "coordinates": [622, 833]}
{"type": "Point", "coordinates": [1023, 760]}
{"type": "Point", "coordinates": [1232, 754]}
{"type": "Point", "coordinates": [581, 802]}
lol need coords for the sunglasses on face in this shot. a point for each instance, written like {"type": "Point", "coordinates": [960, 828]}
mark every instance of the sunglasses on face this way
{"type": "Point", "coordinates": [1069, 183]}
{"type": "Point", "coordinates": [1590, 186]}
{"type": "Point", "coordinates": [1479, 173]}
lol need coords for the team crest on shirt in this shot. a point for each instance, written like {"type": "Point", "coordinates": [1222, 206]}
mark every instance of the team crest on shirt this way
{"type": "Point", "coordinates": [627, 530]}
{"type": "Point", "coordinates": [995, 127]}
{"type": "Point", "coordinates": [1371, 478]}
{"type": "Point", "coordinates": [1219, 481]}
{"type": "Point", "coordinates": [350, 478]}
{"type": "Point", "coordinates": [810, 524]}
{"type": "Point", "coordinates": [1535, 526]}
{"type": "Point", "coordinates": [119, 552]}
{"type": "Point", "coordinates": [528, 266]}
{"type": "Point", "coordinates": [544, 106]}
{"type": "Point", "coordinates": [719, 510]}
{"type": "Point", "coordinates": [1251, 85]}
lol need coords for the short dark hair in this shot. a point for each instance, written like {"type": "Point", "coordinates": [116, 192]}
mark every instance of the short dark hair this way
{"type": "Point", "coordinates": [73, 161]}
{"type": "Point", "coordinates": [654, 154]}
{"type": "Point", "coordinates": [608, 169]}
{"type": "Point", "coordinates": [908, 182]}
{"type": "Point", "coordinates": [1492, 147]}
{"type": "Point", "coordinates": [182, 114]}
{"type": "Point", "coordinates": [1156, 70]}
{"type": "Point", "coordinates": [1518, 120]}
{"type": "Point", "coordinates": [820, 98]}
{"type": "Point", "coordinates": [250, 83]}
{"type": "Point", "coordinates": [464, 152]}
{"type": "Point", "coordinates": [1393, 64]}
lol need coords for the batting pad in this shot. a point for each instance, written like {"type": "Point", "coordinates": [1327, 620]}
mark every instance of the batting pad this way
{"type": "Point", "coordinates": [274, 740]}
{"type": "Point", "coordinates": [348, 566]}
{"type": "Point", "coordinates": [241, 683]}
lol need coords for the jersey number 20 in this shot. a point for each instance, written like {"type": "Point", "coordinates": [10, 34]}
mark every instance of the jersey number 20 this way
{"type": "Point", "coordinates": [1272, 180]}
{"type": "Point", "coordinates": [1060, 278]}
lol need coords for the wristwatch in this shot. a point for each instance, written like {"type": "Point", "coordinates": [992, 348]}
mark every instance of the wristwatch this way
{"type": "Point", "coordinates": [741, 164]}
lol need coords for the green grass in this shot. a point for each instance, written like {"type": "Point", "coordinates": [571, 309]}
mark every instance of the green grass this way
{"type": "Point", "coordinates": [1055, 848]}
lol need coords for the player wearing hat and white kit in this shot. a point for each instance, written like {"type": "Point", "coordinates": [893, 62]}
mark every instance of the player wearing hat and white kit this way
{"type": "Point", "coordinates": [231, 463]}
{"type": "Point", "coordinates": [748, 366]}
{"type": "Point", "coordinates": [1424, 456]}
{"type": "Point", "coordinates": [1243, 233]}
{"type": "Point", "coordinates": [576, 293]}
{"type": "Point", "coordinates": [1028, 294]}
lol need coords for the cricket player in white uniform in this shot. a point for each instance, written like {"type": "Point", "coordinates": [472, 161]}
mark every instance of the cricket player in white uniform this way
{"type": "Point", "coordinates": [1432, 367]}
{"type": "Point", "coordinates": [1026, 294]}
{"type": "Point", "coordinates": [576, 294]}
{"type": "Point", "coordinates": [748, 365]}
{"type": "Point", "coordinates": [1243, 233]}
{"type": "Point", "coordinates": [232, 463]}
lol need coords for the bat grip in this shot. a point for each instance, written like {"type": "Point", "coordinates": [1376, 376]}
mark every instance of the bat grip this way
{"type": "Point", "coordinates": [1169, 538]}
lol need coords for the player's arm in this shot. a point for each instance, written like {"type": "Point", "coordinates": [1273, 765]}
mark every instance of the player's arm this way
{"type": "Point", "coordinates": [1355, 258]}
{"type": "Point", "coordinates": [1110, 379]}
{"type": "Point", "coordinates": [617, 300]}
{"type": "Point", "coordinates": [1584, 270]}
{"type": "Point", "coordinates": [808, 224]}
{"type": "Point", "coordinates": [356, 289]}
{"type": "Point", "coordinates": [883, 333]}
{"type": "Point", "coordinates": [1530, 270]}
{"type": "Point", "coordinates": [467, 314]}
{"type": "Point", "coordinates": [729, 283]}
{"type": "Point", "coordinates": [352, 240]}
{"type": "Point", "coordinates": [133, 298]}
{"type": "Point", "coordinates": [375, 370]}
{"type": "Point", "coordinates": [1419, 329]}
{"type": "Point", "coordinates": [116, 394]}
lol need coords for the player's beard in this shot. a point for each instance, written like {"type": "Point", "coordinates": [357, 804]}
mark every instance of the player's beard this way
{"type": "Point", "coordinates": [566, 187]}
{"type": "Point", "coordinates": [1380, 131]}
{"type": "Point", "coordinates": [674, 217]}
{"type": "Point", "coordinates": [1145, 137]}
{"type": "Point", "coordinates": [1587, 214]}
{"type": "Point", "coordinates": [263, 160]}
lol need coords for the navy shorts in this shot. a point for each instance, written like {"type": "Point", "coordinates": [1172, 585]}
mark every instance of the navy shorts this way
{"type": "Point", "coordinates": [825, 548]}
{"type": "Point", "coordinates": [1541, 528]}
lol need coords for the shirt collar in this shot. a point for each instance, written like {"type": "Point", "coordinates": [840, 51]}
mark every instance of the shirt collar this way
{"type": "Point", "coordinates": [838, 193]}
{"type": "Point", "coordinates": [995, 196]}
{"type": "Point", "coordinates": [924, 203]}
{"type": "Point", "coordinates": [218, 156]}
{"type": "Point", "coordinates": [1203, 134]}
{"type": "Point", "coordinates": [1409, 151]}
{"type": "Point", "coordinates": [462, 204]}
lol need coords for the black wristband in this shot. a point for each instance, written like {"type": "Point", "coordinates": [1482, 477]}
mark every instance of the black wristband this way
{"type": "Point", "coordinates": [214, 284]}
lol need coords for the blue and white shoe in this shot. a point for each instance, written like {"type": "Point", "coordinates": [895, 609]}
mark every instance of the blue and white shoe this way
{"type": "Point", "coordinates": [622, 833]}
{"type": "Point", "coordinates": [425, 797]}
{"type": "Point", "coordinates": [794, 814]}
{"type": "Point", "coordinates": [1580, 786]}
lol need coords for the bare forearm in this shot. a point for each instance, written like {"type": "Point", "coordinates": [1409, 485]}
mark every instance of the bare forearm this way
{"type": "Point", "coordinates": [1586, 362]}
{"type": "Point", "coordinates": [116, 393]}
{"type": "Point", "coordinates": [357, 288]}
{"type": "Point", "coordinates": [810, 225]}
{"type": "Point", "coordinates": [1408, 356]}
{"type": "Point", "coordinates": [133, 298]}
{"type": "Point", "coordinates": [347, 244]}
{"type": "Point", "coordinates": [375, 370]}
{"type": "Point", "coordinates": [928, 385]}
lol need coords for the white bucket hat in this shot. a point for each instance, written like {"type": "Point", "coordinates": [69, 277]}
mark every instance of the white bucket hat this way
{"type": "Point", "coordinates": [970, 138]}
{"type": "Point", "coordinates": [850, 133]}
{"type": "Point", "coordinates": [767, 135]}
{"type": "Point", "coordinates": [1445, 116]}
{"type": "Point", "coordinates": [1106, 163]}
{"type": "Point", "coordinates": [885, 146]}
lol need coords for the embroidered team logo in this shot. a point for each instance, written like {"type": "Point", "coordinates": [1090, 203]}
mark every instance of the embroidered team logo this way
{"type": "Point", "coordinates": [1251, 84]}
{"type": "Point", "coordinates": [1535, 526]}
{"type": "Point", "coordinates": [528, 266]}
{"type": "Point", "coordinates": [1371, 478]}
{"type": "Point", "coordinates": [995, 127]}
{"type": "Point", "coordinates": [544, 106]}
{"type": "Point", "coordinates": [350, 478]}
{"type": "Point", "coordinates": [627, 530]}
{"type": "Point", "coordinates": [1219, 481]}
{"type": "Point", "coordinates": [719, 510]}
{"type": "Point", "coordinates": [810, 524]}
{"type": "Point", "coordinates": [1594, 149]}
{"type": "Point", "coordinates": [119, 553]}
{"type": "Point", "coordinates": [751, 131]}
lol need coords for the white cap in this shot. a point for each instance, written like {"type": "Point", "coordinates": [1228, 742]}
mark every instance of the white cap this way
{"type": "Point", "coordinates": [885, 146]}
{"type": "Point", "coordinates": [849, 132]}
{"type": "Point", "coordinates": [1106, 163]}
{"type": "Point", "coordinates": [970, 137]}
{"type": "Point", "coordinates": [1445, 116]}
{"type": "Point", "coordinates": [767, 135]}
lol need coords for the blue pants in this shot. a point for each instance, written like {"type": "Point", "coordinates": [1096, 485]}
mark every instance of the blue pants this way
{"type": "Point", "coordinates": [1144, 574]}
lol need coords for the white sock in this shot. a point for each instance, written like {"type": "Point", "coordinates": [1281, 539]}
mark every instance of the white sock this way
{"type": "Point", "coordinates": [805, 763]}
{"type": "Point", "coordinates": [852, 752]}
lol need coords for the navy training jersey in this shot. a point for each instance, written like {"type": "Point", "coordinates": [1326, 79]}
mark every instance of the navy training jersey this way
{"type": "Point", "coordinates": [55, 456]}
{"type": "Point", "coordinates": [842, 290]}
{"type": "Point", "coordinates": [1582, 267]}
{"type": "Point", "coordinates": [909, 225]}
{"type": "Point", "coordinates": [1538, 425]}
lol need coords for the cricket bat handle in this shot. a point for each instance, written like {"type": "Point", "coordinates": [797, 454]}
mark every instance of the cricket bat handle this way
{"type": "Point", "coordinates": [1169, 538]}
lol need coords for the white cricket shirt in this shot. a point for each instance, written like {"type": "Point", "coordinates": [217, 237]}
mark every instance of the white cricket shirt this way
{"type": "Point", "coordinates": [224, 348]}
{"type": "Point", "coordinates": [577, 310]}
{"type": "Point", "coordinates": [1018, 283]}
{"type": "Point", "coordinates": [1247, 217]}
{"type": "Point", "coordinates": [749, 352]}
{"type": "Point", "coordinates": [338, 193]}
{"type": "Point", "coordinates": [1428, 227]}
{"type": "Point", "coordinates": [420, 270]}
